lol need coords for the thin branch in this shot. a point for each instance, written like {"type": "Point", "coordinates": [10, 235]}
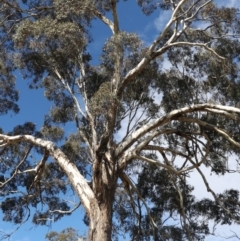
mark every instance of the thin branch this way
{"type": "Point", "coordinates": [232, 236]}
{"type": "Point", "coordinates": [77, 105]}
{"type": "Point", "coordinates": [66, 85]}
{"type": "Point", "coordinates": [157, 163]}
{"type": "Point", "coordinates": [39, 169]}
{"type": "Point", "coordinates": [125, 178]}
{"type": "Point", "coordinates": [161, 149]}
{"type": "Point", "coordinates": [85, 98]}
{"type": "Point", "coordinates": [183, 213]}
{"type": "Point", "coordinates": [8, 235]}
{"type": "Point", "coordinates": [198, 10]}
{"type": "Point", "coordinates": [134, 108]}
{"type": "Point", "coordinates": [195, 45]}
{"type": "Point", "coordinates": [66, 212]}
{"type": "Point", "coordinates": [207, 125]}
{"type": "Point", "coordinates": [129, 193]}
{"type": "Point", "coordinates": [198, 164]}
{"type": "Point", "coordinates": [215, 196]}
{"type": "Point", "coordinates": [78, 182]}
{"type": "Point", "coordinates": [17, 168]}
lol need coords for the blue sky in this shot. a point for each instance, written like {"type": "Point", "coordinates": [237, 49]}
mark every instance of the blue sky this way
{"type": "Point", "coordinates": [33, 106]}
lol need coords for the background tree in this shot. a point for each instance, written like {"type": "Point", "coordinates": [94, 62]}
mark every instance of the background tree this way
{"type": "Point", "coordinates": [68, 234]}
{"type": "Point", "coordinates": [174, 120]}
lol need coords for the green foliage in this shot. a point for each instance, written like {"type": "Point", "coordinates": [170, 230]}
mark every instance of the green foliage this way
{"type": "Point", "coordinates": [157, 188]}
{"type": "Point", "coordinates": [8, 93]}
{"type": "Point", "coordinates": [94, 109]}
{"type": "Point", "coordinates": [68, 234]}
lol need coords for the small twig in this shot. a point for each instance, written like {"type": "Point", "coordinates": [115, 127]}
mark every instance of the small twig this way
{"type": "Point", "coordinates": [17, 168]}
{"type": "Point", "coordinates": [124, 177]}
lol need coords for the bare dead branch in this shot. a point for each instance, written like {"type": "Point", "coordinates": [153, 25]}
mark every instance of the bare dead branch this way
{"type": "Point", "coordinates": [67, 212]}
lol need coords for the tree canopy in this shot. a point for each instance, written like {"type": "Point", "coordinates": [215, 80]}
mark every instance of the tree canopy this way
{"type": "Point", "coordinates": [68, 234]}
{"type": "Point", "coordinates": [142, 119]}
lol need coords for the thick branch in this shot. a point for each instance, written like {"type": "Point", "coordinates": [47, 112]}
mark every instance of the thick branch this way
{"type": "Point", "coordinates": [152, 54]}
{"type": "Point", "coordinates": [115, 17]}
{"type": "Point", "coordinates": [155, 127]}
{"type": "Point", "coordinates": [78, 182]}
{"type": "Point", "coordinates": [160, 122]}
{"type": "Point", "coordinates": [104, 19]}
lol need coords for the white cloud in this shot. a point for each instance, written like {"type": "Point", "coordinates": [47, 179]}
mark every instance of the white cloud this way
{"type": "Point", "coordinates": [161, 21]}
{"type": "Point", "coordinates": [218, 184]}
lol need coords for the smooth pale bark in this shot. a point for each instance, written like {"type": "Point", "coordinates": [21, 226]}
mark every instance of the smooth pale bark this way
{"type": "Point", "coordinates": [77, 181]}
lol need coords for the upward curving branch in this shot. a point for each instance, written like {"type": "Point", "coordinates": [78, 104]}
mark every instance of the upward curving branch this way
{"type": "Point", "coordinates": [155, 127]}
{"type": "Point", "coordinates": [155, 50]}
{"type": "Point", "coordinates": [104, 19]}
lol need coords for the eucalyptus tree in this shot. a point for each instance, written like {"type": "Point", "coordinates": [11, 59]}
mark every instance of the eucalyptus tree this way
{"type": "Point", "coordinates": [140, 126]}
{"type": "Point", "coordinates": [68, 234]}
